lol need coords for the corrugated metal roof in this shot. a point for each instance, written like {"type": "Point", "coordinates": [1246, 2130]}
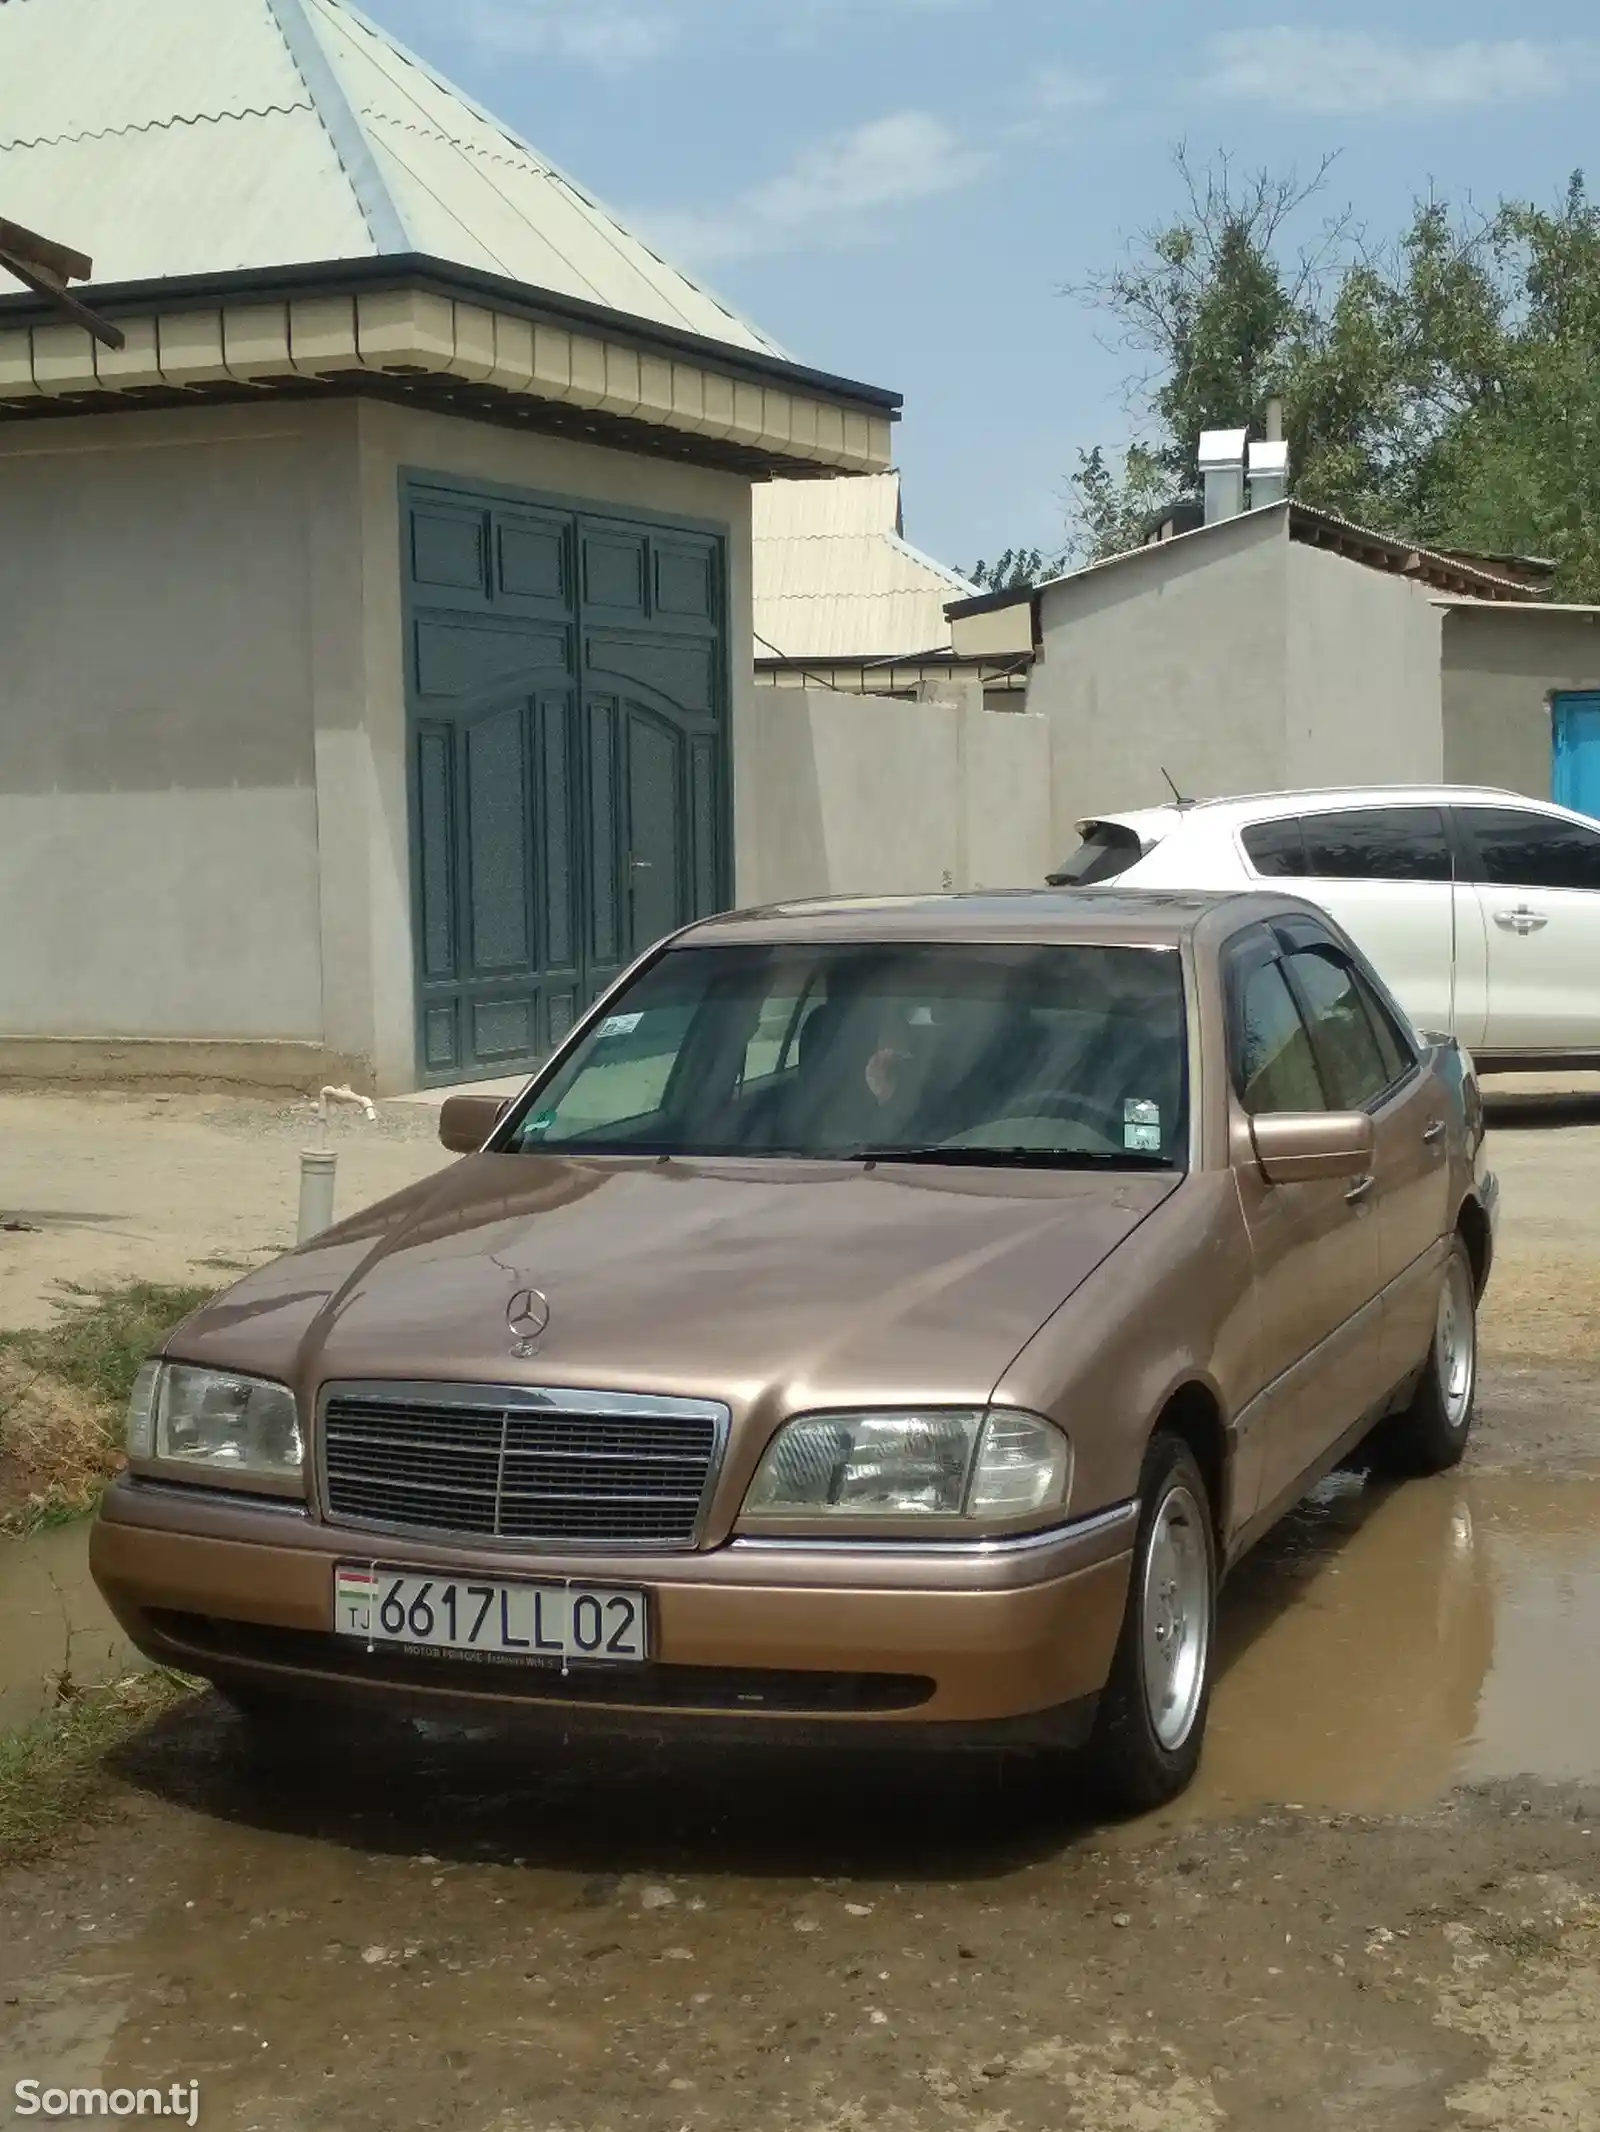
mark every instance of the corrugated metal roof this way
{"type": "Point", "coordinates": [70, 68]}
{"type": "Point", "coordinates": [168, 137]}
{"type": "Point", "coordinates": [835, 579]}
{"type": "Point", "coordinates": [286, 192]}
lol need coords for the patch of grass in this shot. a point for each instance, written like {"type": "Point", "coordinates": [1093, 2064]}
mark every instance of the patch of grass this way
{"type": "Point", "coordinates": [53, 1775]}
{"type": "Point", "coordinates": [102, 1335]}
{"type": "Point", "coordinates": [63, 1391]}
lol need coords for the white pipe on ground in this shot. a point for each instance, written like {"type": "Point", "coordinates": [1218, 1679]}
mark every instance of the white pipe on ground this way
{"type": "Point", "coordinates": [318, 1164]}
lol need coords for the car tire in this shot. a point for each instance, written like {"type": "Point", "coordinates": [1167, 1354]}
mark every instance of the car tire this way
{"type": "Point", "coordinates": [1151, 1722]}
{"type": "Point", "coordinates": [1432, 1433]}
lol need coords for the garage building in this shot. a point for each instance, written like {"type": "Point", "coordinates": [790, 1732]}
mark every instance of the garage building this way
{"type": "Point", "coordinates": [377, 618]}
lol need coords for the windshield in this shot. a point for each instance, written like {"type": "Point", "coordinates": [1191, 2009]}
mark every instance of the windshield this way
{"type": "Point", "coordinates": [1067, 1056]}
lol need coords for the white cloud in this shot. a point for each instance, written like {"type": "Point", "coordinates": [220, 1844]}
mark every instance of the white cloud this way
{"type": "Point", "coordinates": [1052, 94]}
{"type": "Point", "coordinates": [1361, 72]}
{"type": "Point", "coordinates": [599, 33]}
{"type": "Point", "coordinates": [833, 192]}
{"type": "Point", "coordinates": [1056, 88]}
{"type": "Point", "coordinates": [612, 34]}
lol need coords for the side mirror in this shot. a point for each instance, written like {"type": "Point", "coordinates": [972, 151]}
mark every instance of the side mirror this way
{"type": "Point", "coordinates": [1293, 1147]}
{"type": "Point", "coordinates": [465, 1122]}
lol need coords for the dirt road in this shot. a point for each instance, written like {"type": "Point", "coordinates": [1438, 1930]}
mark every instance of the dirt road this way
{"type": "Point", "coordinates": [1381, 1903]}
{"type": "Point", "coordinates": [116, 1187]}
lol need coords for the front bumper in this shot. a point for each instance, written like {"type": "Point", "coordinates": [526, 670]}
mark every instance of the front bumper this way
{"type": "Point", "coordinates": [955, 1639]}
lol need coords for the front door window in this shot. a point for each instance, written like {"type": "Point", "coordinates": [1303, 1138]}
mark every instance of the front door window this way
{"type": "Point", "coordinates": [1353, 1060]}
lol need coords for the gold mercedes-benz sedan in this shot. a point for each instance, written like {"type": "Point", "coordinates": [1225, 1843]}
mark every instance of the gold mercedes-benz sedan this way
{"type": "Point", "coordinates": [879, 1317]}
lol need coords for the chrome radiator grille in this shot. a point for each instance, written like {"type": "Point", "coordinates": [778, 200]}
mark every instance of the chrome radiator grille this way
{"type": "Point", "coordinates": [598, 1468]}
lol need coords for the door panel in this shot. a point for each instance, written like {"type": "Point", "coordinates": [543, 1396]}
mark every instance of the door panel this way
{"type": "Point", "coordinates": [1316, 1256]}
{"type": "Point", "coordinates": [485, 818]}
{"type": "Point", "coordinates": [498, 842]}
{"type": "Point", "coordinates": [567, 707]}
{"type": "Point", "coordinates": [1411, 1164]}
{"type": "Point", "coordinates": [1407, 929]}
{"type": "Point", "coordinates": [658, 901]}
{"type": "Point", "coordinates": [1471, 1019]}
{"type": "Point", "coordinates": [1544, 969]}
{"type": "Point", "coordinates": [1315, 1245]}
{"type": "Point", "coordinates": [1538, 892]}
{"type": "Point", "coordinates": [1367, 1063]}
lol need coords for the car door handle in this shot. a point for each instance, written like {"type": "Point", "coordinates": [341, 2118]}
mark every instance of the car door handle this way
{"type": "Point", "coordinates": [1359, 1190]}
{"type": "Point", "coordinates": [1433, 1131]}
{"type": "Point", "coordinates": [1520, 920]}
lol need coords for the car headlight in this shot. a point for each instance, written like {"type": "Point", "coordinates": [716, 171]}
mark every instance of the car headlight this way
{"type": "Point", "coordinates": [215, 1422]}
{"type": "Point", "coordinates": [986, 1466]}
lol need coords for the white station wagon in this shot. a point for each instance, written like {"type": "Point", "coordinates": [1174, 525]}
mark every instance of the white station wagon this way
{"type": "Point", "coordinates": [1480, 908]}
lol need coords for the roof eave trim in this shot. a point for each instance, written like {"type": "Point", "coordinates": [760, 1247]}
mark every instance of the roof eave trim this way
{"type": "Point", "coordinates": [385, 224]}
{"type": "Point", "coordinates": [994, 602]}
{"type": "Point", "coordinates": [1360, 544]}
{"type": "Point", "coordinates": [445, 277]}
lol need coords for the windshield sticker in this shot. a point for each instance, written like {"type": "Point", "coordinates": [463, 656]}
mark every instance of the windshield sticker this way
{"type": "Point", "coordinates": [620, 1024]}
{"type": "Point", "coordinates": [1141, 1127]}
{"type": "Point", "coordinates": [542, 1123]}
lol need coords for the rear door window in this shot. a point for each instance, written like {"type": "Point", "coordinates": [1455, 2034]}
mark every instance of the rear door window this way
{"type": "Point", "coordinates": [1377, 844]}
{"type": "Point", "coordinates": [1277, 850]}
{"type": "Point", "coordinates": [1519, 849]}
{"type": "Point", "coordinates": [1108, 849]}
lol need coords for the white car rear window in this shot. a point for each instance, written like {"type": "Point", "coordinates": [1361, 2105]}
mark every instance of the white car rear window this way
{"type": "Point", "coordinates": [1108, 849]}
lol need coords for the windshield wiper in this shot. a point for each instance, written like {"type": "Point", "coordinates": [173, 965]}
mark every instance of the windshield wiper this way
{"type": "Point", "coordinates": [998, 1158]}
{"type": "Point", "coordinates": [1015, 1158]}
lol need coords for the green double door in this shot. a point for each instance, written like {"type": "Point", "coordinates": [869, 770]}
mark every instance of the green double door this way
{"type": "Point", "coordinates": [566, 698]}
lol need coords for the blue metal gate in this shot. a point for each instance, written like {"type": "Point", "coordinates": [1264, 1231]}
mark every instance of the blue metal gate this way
{"type": "Point", "coordinates": [1576, 723]}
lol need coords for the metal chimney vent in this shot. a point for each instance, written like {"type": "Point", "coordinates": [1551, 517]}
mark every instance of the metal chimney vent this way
{"type": "Point", "coordinates": [1269, 472]}
{"type": "Point", "coordinates": [1222, 471]}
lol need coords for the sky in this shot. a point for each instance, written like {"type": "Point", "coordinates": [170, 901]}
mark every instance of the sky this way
{"type": "Point", "coordinates": [900, 190]}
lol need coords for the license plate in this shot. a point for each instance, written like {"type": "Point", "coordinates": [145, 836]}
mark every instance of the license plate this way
{"type": "Point", "coordinates": [548, 1624]}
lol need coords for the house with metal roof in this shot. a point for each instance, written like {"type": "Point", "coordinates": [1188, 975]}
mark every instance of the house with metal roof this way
{"type": "Point", "coordinates": [844, 601]}
{"type": "Point", "coordinates": [1256, 643]}
{"type": "Point", "coordinates": [375, 559]}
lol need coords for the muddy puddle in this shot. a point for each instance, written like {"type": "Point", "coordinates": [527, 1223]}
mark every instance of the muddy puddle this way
{"type": "Point", "coordinates": [470, 1931]}
{"type": "Point", "coordinates": [1388, 1643]}
{"type": "Point", "coordinates": [1384, 1645]}
{"type": "Point", "coordinates": [53, 1623]}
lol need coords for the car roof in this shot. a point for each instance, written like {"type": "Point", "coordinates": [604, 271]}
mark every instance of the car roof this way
{"type": "Point", "coordinates": [1267, 806]}
{"type": "Point", "coordinates": [1080, 916]}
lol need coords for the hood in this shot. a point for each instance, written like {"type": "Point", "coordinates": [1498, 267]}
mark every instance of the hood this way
{"type": "Point", "coordinates": [798, 1284]}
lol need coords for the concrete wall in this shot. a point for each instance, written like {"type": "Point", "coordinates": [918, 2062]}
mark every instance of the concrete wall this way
{"type": "Point", "coordinates": [1239, 661]}
{"type": "Point", "coordinates": [161, 643]}
{"type": "Point", "coordinates": [1362, 701]}
{"type": "Point", "coordinates": [1173, 657]}
{"type": "Point", "coordinates": [367, 925]}
{"type": "Point", "coordinates": [202, 726]}
{"type": "Point", "coordinates": [869, 795]}
{"type": "Point", "coordinates": [1501, 666]}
